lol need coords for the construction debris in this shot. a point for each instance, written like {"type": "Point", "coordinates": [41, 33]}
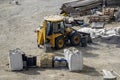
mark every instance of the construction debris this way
{"type": "Point", "coordinates": [96, 18]}
{"type": "Point", "coordinates": [109, 40]}
{"type": "Point", "coordinates": [112, 2]}
{"type": "Point", "coordinates": [94, 33]}
{"type": "Point", "coordinates": [108, 11]}
{"type": "Point", "coordinates": [87, 7]}
{"type": "Point", "coordinates": [97, 25]}
{"type": "Point", "coordinates": [107, 15]}
{"type": "Point", "coordinates": [117, 16]}
{"type": "Point", "coordinates": [80, 7]}
{"type": "Point", "coordinates": [115, 73]}
{"type": "Point", "coordinates": [108, 75]}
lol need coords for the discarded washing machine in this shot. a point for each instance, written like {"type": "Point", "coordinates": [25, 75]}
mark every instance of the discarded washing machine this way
{"type": "Point", "coordinates": [74, 58]}
{"type": "Point", "coordinates": [15, 60]}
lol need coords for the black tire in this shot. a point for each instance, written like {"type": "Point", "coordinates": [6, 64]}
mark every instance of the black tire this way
{"type": "Point", "coordinates": [59, 42]}
{"type": "Point", "coordinates": [38, 46]}
{"type": "Point", "coordinates": [75, 39]}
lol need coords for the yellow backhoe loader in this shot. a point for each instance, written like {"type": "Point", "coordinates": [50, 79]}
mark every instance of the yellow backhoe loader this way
{"type": "Point", "coordinates": [54, 32]}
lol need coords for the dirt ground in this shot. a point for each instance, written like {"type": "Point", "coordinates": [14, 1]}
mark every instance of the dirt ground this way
{"type": "Point", "coordinates": [17, 25]}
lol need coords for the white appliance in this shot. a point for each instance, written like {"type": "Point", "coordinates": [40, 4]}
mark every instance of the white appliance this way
{"type": "Point", "coordinates": [15, 61]}
{"type": "Point", "coordinates": [74, 58]}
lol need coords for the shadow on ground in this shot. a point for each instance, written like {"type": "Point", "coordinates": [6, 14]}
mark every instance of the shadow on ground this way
{"type": "Point", "coordinates": [91, 71]}
{"type": "Point", "coordinates": [37, 70]}
{"type": "Point", "coordinates": [31, 71]}
{"type": "Point", "coordinates": [109, 40]}
{"type": "Point", "coordinates": [87, 70]}
{"type": "Point", "coordinates": [85, 50]}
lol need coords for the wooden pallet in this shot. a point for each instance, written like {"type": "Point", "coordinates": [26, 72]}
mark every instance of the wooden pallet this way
{"type": "Point", "coordinates": [108, 11]}
{"type": "Point", "coordinates": [103, 18]}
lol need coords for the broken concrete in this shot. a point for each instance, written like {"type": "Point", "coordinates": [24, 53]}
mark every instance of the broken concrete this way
{"type": "Point", "coordinates": [101, 32]}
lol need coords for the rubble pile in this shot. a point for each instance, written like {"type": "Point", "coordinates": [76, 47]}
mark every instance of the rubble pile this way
{"type": "Point", "coordinates": [110, 40]}
{"type": "Point", "coordinates": [110, 36]}
{"type": "Point", "coordinates": [94, 33]}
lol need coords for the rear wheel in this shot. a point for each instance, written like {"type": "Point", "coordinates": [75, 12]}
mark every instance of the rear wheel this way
{"type": "Point", "coordinates": [59, 42]}
{"type": "Point", "coordinates": [75, 39]}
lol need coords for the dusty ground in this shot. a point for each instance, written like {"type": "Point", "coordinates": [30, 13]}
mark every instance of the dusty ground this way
{"type": "Point", "coordinates": [17, 25]}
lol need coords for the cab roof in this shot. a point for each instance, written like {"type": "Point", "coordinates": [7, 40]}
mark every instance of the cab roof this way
{"type": "Point", "coordinates": [54, 18]}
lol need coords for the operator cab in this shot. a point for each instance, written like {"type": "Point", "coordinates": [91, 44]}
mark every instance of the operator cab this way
{"type": "Point", "coordinates": [54, 24]}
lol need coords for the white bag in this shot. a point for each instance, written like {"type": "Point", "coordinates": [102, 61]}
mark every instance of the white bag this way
{"type": "Point", "coordinates": [74, 58]}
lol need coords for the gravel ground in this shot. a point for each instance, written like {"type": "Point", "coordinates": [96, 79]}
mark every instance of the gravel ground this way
{"type": "Point", "coordinates": [17, 25]}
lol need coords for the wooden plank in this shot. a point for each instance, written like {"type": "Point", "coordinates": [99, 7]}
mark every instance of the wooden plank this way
{"type": "Point", "coordinates": [99, 18]}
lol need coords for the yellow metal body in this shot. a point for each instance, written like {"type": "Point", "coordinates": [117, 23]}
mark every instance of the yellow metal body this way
{"type": "Point", "coordinates": [64, 14]}
{"type": "Point", "coordinates": [41, 33]}
{"type": "Point", "coordinates": [52, 38]}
